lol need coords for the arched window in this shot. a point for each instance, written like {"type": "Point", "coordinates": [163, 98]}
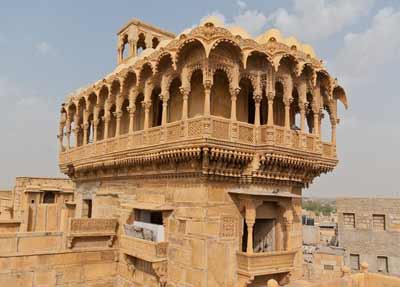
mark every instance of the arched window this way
{"type": "Point", "coordinates": [245, 106]}
{"type": "Point", "coordinates": [112, 124]}
{"type": "Point", "coordinates": [125, 117]}
{"type": "Point", "coordinates": [220, 95]}
{"type": "Point", "coordinates": [139, 113]}
{"type": "Point", "coordinates": [90, 129]}
{"type": "Point", "coordinates": [141, 44]}
{"type": "Point", "coordinates": [156, 107]}
{"type": "Point", "coordinates": [100, 126]}
{"type": "Point", "coordinates": [279, 107]}
{"type": "Point", "coordinates": [326, 127]}
{"type": "Point", "coordinates": [175, 101]}
{"type": "Point", "coordinates": [295, 111]}
{"type": "Point", "coordinates": [155, 42]}
{"type": "Point", "coordinates": [196, 96]}
{"type": "Point", "coordinates": [125, 48]}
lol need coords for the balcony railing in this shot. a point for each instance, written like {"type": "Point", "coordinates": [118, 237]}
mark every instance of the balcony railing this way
{"type": "Point", "coordinates": [265, 263]}
{"type": "Point", "coordinates": [204, 128]}
{"type": "Point", "coordinates": [147, 250]}
{"type": "Point", "coordinates": [91, 228]}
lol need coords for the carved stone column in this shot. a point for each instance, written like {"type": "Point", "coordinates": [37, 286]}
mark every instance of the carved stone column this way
{"type": "Point", "coordinates": [132, 47]}
{"type": "Point", "coordinates": [132, 111]}
{"type": "Point", "coordinates": [61, 135]}
{"type": "Point", "coordinates": [270, 97]}
{"type": "Point", "coordinates": [164, 116]}
{"type": "Point", "coordinates": [257, 101]}
{"type": "Point", "coordinates": [333, 131]}
{"type": "Point", "coordinates": [106, 125]}
{"type": "Point", "coordinates": [68, 133]}
{"type": "Point", "coordinates": [316, 123]}
{"type": "Point", "coordinates": [185, 96]}
{"type": "Point", "coordinates": [287, 102]}
{"type": "Point", "coordinates": [250, 220]}
{"type": "Point", "coordinates": [234, 94]}
{"type": "Point", "coordinates": [95, 125]}
{"type": "Point", "coordinates": [302, 107]}
{"type": "Point", "coordinates": [85, 132]}
{"type": "Point", "coordinates": [207, 97]}
{"type": "Point", "coordinates": [118, 116]}
{"type": "Point", "coordinates": [146, 106]}
{"type": "Point", "coordinates": [287, 227]}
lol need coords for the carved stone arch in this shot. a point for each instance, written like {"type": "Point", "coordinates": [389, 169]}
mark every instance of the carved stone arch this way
{"type": "Point", "coordinates": [251, 77]}
{"type": "Point", "coordinates": [146, 71]}
{"type": "Point", "coordinates": [261, 53]}
{"type": "Point", "coordinates": [128, 80]}
{"type": "Point", "coordinates": [340, 94]}
{"type": "Point", "coordinates": [227, 70]}
{"type": "Point", "coordinates": [189, 46]}
{"type": "Point", "coordinates": [229, 45]}
{"type": "Point", "coordinates": [115, 89]}
{"type": "Point", "coordinates": [161, 59]}
{"type": "Point", "coordinates": [280, 58]}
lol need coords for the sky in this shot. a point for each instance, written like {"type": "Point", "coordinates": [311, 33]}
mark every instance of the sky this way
{"type": "Point", "coordinates": [50, 48]}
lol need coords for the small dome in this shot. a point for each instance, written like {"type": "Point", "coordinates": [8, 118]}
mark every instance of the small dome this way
{"type": "Point", "coordinates": [270, 35]}
{"type": "Point", "coordinates": [239, 31]}
{"type": "Point", "coordinates": [215, 20]}
{"type": "Point", "coordinates": [293, 42]}
{"type": "Point", "coordinates": [309, 50]}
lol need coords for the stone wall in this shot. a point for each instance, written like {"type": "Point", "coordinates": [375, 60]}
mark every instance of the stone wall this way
{"type": "Point", "coordinates": [366, 239]}
{"type": "Point", "coordinates": [67, 269]}
{"type": "Point", "coordinates": [203, 228]}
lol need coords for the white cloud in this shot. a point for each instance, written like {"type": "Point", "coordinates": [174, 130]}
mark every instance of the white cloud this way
{"type": "Point", "coordinates": [44, 48]}
{"type": "Point", "coordinates": [364, 53]}
{"type": "Point", "coordinates": [252, 20]}
{"type": "Point", "coordinates": [241, 4]}
{"type": "Point", "coordinates": [313, 20]}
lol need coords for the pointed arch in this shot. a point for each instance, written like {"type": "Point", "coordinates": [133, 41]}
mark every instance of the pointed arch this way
{"type": "Point", "coordinates": [191, 50]}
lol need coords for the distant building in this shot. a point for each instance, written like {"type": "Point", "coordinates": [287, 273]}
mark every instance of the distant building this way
{"type": "Point", "coordinates": [369, 230]}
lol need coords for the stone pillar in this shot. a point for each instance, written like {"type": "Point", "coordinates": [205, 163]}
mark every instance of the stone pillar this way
{"type": "Point", "coordinates": [146, 106]}
{"type": "Point", "coordinates": [250, 220]}
{"type": "Point", "coordinates": [234, 94]}
{"type": "Point", "coordinates": [270, 97]}
{"type": "Point", "coordinates": [288, 223]}
{"type": "Point", "coordinates": [85, 132]}
{"type": "Point", "coordinates": [333, 132]}
{"type": "Point", "coordinates": [207, 97]}
{"type": "Point", "coordinates": [257, 101]}
{"type": "Point", "coordinates": [316, 123]}
{"type": "Point", "coordinates": [164, 116]}
{"type": "Point", "coordinates": [68, 133]}
{"type": "Point", "coordinates": [118, 116]}
{"type": "Point", "coordinates": [61, 135]}
{"type": "Point", "coordinates": [287, 112]}
{"type": "Point", "coordinates": [302, 108]}
{"type": "Point", "coordinates": [131, 110]}
{"type": "Point", "coordinates": [106, 124]}
{"type": "Point", "coordinates": [132, 48]}
{"type": "Point", "coordinates": [95, 124]}
{"type": "Point", "coordinates": [185, 96]}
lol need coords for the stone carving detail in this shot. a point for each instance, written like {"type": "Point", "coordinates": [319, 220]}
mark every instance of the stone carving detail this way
{"type": "Point", "coordinates": [228, 227]}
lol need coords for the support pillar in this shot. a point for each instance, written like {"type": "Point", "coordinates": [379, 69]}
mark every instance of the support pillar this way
{"type": "Point", "coordinates": [270, 97]}
{"type": "Point", "coordinates": [118, 116]}
{"type": "Point", "coordinates": [287, 113]}
{"type": "Point", "coordinates": [234, 94]}
{"type": "Point", "coordinates": [131, 118]}
{"type": "Point", "coordinates": [95, 124]}
{"type": "Point", "coordinates": [302, 108]}
{"type": "Point", "coordinates": [207, 97]}
{"type": "Point", "coordinates": [146, 106]}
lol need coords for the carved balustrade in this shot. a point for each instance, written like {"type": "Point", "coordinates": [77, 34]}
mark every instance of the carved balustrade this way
{"type": "Point", "coordinates": [203, 128]}
{"type": "Point", "coordinates": [264, 263]}
{"type": "Point", "coordinates": [147, 250]}
{"type": "Point", "coordinates": [91, 228]}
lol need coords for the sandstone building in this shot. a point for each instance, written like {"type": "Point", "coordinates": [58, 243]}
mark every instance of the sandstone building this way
{"type": "Point", "coordinates": [369, 230]}
{"type": "Point", "coordinates": [203, 141]}
{"type": "Point", "coordinates": [187, 164]}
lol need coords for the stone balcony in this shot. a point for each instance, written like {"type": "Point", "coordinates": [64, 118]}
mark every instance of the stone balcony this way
{"type": "Point", "coordinates": [197, 133]}
{"type": "Point", "coordinates": [265, 263]}
{"type": "Point", "coordinates": [91, 232]}
{"type": "Point", "coordinates": [147, 250]}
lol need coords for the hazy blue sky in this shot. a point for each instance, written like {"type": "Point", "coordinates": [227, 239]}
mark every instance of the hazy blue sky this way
{"type": "Point", "coordinates": [49, 48]}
